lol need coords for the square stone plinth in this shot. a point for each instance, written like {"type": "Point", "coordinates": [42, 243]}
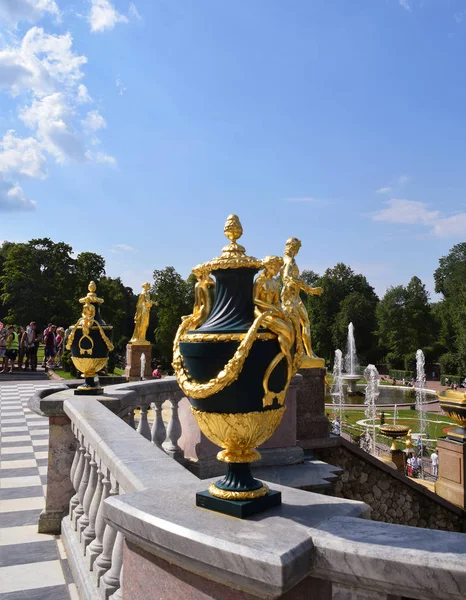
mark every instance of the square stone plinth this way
{"type": "Point", "coordinates": [133, 361]}
{"type": "Point", "coordinates": [451, 483]}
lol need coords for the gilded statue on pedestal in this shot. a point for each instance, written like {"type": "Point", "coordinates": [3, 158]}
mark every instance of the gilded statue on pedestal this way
{"type": "Point", "coordinates": [204, 296]}
{"type": "Point", "coordinates": [267, 303]}
{"type": "Point", "coordinates": [294, 307]}
{"type": "Point", "coordinates": [141, 318]}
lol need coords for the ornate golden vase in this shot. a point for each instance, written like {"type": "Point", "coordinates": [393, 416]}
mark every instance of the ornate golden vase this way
{"type": "Point", "coordinates": [233, 359]}
{"type": "Point", "coordinates": [453, 402]}
{"type": "Point", "coordinates": [90, 341]}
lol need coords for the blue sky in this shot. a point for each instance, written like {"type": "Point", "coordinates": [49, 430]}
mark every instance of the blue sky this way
{"type": "Point", "coordinates": [134, 129]}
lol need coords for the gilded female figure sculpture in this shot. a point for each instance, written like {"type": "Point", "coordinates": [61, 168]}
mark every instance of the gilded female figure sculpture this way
{"type": "Point", "coordinates": [204, 296]}
{"type": "Point", "coordinates": [294, 307]}
{"type": "Point", "coordinates": [141, 318]}
{"type": "Point", "coordinates": [267, 303]}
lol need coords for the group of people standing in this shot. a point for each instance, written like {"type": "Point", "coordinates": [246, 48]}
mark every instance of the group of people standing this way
{"type": "Point", "coordinates": [22, 347]}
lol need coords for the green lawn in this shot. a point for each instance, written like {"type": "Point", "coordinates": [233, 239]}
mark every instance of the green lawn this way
{"type": "Point", "coordinates": [409, 418]}
{"type": "Point", "coordinates": [66, 375]}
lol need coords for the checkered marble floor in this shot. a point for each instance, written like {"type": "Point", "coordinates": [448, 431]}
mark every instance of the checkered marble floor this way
{"type": "Point", "coordinates": [33, 566]}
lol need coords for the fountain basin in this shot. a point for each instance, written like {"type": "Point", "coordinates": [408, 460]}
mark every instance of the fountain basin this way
{"type": "Point", "coordinates": [351, 381]}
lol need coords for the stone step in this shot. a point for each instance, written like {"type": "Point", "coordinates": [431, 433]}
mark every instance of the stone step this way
{"type": "Point", "coordinates": [312, 475]}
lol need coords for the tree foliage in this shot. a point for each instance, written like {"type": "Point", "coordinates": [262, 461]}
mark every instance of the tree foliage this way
{"type": "Point", "coordinates": [347, 297]}
{"type": "Point", "coordinates": [175, 297]}
{"type": "Point", "coordinates": [405, 322]}
{"type": "Point", "coordinates": [41, 280]}
{"type": "Point", "coordinates": [450, 281]}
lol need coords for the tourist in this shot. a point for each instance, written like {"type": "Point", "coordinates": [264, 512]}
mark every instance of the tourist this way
{"type": "Point", "coordinates": [29, 341]}
{"type": "Point", "coordinates": [21, 349]}
{"type": "Point", "coordinates": [59, 340]}
{"type": "Point", "coordinates": [49, 343]}
{"type": "Point", "coordinates": [336, 426]}
{"type": "Point", "coordinates": [404, 381]}
{"type": "Point", "coordinates": [11, 352]}
{"type": "Point", "coordinates": [3, 345]}
{"type": "Point", "coordinates": [157, 372]}
{"type": "Point", "coordinates": [447, 381]}
{"type": "Point", "coordinates": [434, 461]}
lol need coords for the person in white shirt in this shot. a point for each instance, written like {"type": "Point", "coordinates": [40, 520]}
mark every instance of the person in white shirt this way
{"type": "Point", "coordinates": [434, 460]}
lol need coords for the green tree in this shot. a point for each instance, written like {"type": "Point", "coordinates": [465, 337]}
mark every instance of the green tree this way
{"type": "Point", "coordinates": [175, 297]}
{"type": "Point", "coordinates": [89, 267]}
{"type": "Point", "coordinates": [118, 308]}
{"type": "Point", "coordinates": [405, 323]}
{"type": "Point", "coordinates": [36, 282]}
{"type": "Point", "coordinates": [347, 297]}
{"type": "Point", "coordinates": [450, 281]}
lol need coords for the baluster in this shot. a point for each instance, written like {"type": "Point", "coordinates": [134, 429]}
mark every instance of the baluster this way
{"type": "Point", "coordinates": [158, 426]}
{"type": "Point", "coordinates": [110, 582]}
{"type": "Point", "coordinates": [96, 546]}
{"type": "Point", "coordinates": [131, 422]}
{"type": "Point", "coordinates": [104, 561]}
{"type": "Point", "coordinates": [170, 445]}
{"type": "Point", "coordinates": [118, 595]}
{"type": "Point", "coordinates": [77, 476]}
{"type": "Point", "coordinates": [89, 532]}
{"type": "Point", "coordinates": [79, 510]}
{"type": "Point", "coordinates": [143, 427]}
{"type": "Point", "coordinates": [83, 521]}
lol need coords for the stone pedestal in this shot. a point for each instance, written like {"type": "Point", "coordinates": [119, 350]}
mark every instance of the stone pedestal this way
{"type": "Point", "coordinates": [280, 449]}
{"type": "Point", "coordinates": [312, 425]}
{"type": "Point", "coordinates": [399, 460]}
{"type": "Point", "coordinates": [451, 483]}
{"type": "Point", "coordinates": [62, 445]}
{"type": "Point", "coordinates": [133, 361]}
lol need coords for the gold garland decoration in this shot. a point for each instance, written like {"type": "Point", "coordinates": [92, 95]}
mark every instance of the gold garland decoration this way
{"type": "Point", "coordinates": [227, 375]}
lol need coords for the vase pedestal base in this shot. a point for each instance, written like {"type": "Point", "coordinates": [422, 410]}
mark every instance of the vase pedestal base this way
{"type": "Point", "coordinates": [241, 509]}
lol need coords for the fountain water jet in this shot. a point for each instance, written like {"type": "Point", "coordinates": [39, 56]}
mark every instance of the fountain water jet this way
{"type": "Point", "coordinates": [351, 375]}
{"type": "Point", "coordinates": [372, 393]}
{"type": "Point", "coordinates": [337, 392]}
{"type": "Point", "coordinates": [143, 365]}
{"type": "Point", "coordinates": [421, 401]}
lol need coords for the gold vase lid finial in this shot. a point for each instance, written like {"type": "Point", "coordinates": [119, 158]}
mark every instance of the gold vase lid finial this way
{"type": "Point", "coordinates": [233, 254]}
{"type": "Point", "coordinates": [91, 297]}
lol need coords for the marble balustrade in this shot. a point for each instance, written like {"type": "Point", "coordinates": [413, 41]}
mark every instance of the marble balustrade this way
{"type": "Point", "coordinates": [133, 512]}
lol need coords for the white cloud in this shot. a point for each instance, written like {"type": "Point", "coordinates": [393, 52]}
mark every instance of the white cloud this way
{"type": "Point", "coordinates": [451, 226]}
{"type": "Point", "coordinates": [41, 64]}
{"type": "Point", "coordinates": [384, 190]}
{"type": "Point", "coordinates": [12, 198]}
{"type": "Point", "coordinates": [93, 121]}
{"type": "Point", "coordinates": [121, 88]}
{"type": "Point", "coordinates": [82, 96]}
{"type": "Point", "coordinates": [404, 4]}
{"type": "Point", "coordinates": [48, 74]}
{"type": "Point", "coordinates": [21, 156]}
{"type": "Point", "coordinates": [103, 15]}
{"type": "Point", "coordinates": [101, 157]}
{"type": "Point", "coordinates": [403, 180]}
{"type": "Point", "coordinates": [52, 118]}
{"type": "Point", "coordinates": [405, 211]}
{"type": "Point", "coordinates": [133, 12]}
{"type": "Point", "coordinates": [14, 11]}
{"type": "Point", "coordinates": [410, 212]}
{"type": "Point", "coordinates": [117, 248]}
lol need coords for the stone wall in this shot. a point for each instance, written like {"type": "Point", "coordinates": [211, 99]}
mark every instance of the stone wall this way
{"type": "Point", "coordinates": [393, 497]}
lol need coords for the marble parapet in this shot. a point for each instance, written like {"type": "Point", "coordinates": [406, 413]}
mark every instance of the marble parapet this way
{"type": "Point", "coordinates": [419, 563]}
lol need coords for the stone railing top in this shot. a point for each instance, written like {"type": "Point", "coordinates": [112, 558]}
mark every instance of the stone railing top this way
{"type": "Point", "coordinates": [420, 563]}
{"type": "Point", "coordinates": [134, 462]}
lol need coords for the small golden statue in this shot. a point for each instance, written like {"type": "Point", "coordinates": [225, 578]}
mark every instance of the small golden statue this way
{"type": "Point", "coordinates": [295, 309]}
{"type": "Point", "coordinates": [141, 318]}
{"type": "Point", "coordinates": [204, 296]}
{"type": "Point", "coordinates": [267, 303]}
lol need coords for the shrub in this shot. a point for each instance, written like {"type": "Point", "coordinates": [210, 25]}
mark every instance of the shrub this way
{"type": "Point", "coordinates": [399, 374]}
{"type": "Point", "coordinates": [458, 379]}
{"type": "Point", "coordinates": [68, 364]}
{"type": "Point", "coordinates": [449, 363]}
